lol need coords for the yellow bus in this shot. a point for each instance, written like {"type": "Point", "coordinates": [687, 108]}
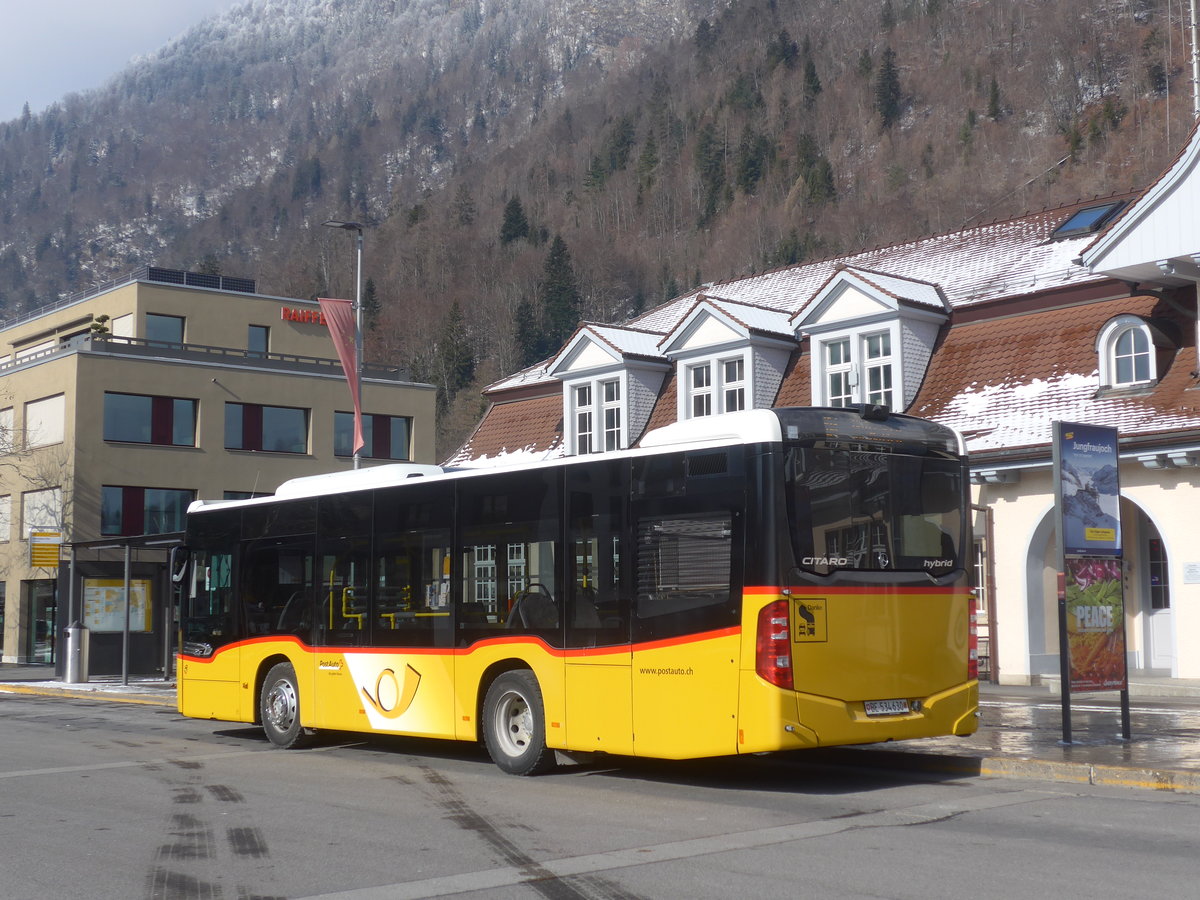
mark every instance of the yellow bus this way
{"type": "Point", "coordinates": [759, 581]}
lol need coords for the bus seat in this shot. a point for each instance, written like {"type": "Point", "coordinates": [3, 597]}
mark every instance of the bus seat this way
{"type": "Point", "coordinates": [534, 609]}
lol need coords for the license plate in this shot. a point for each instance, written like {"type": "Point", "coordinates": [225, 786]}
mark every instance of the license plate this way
{"type": "Point", "coordinates": [886, 707]}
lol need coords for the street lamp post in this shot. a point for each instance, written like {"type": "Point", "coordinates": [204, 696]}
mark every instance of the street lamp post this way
{"type": "Point", "coordinates": [357, 228]}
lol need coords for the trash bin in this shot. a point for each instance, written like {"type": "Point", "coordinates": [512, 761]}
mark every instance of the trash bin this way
{"type": "Point", "coordinates": [77, 653]}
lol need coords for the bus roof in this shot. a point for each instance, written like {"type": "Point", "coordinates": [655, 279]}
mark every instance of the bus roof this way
{"type": "Point", "coordinates": [753, 426]}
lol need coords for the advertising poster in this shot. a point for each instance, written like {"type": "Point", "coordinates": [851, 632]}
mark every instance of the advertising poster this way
{"type": "Point", "coordinates": [104, 604]}
{"type": "Point", "coordinates": [1089, 490]}
{"type": "Point", "coordinates": [1096, 624]}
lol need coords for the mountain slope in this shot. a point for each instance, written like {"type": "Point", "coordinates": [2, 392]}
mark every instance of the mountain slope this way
{"type": "Point", "coordinates": [668, 142]}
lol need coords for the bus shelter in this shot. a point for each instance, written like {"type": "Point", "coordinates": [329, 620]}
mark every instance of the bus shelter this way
{"type": "Point", "coordinates": [120, 591]}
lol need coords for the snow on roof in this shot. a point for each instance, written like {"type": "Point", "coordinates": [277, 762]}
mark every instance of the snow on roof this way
{"type": "Point", "coordinates": [920, 292]}
{"type": "Point", "coordinates": [969, 267]}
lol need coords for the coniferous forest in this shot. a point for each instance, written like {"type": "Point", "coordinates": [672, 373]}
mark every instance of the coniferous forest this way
{"type": "Point", "coordinates": [526, 164]}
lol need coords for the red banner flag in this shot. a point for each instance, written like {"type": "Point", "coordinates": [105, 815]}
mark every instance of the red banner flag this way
{"type": "Point", "coordinates": [339, 314]}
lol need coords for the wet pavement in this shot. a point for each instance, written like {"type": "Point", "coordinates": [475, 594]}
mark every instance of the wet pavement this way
{"type": "Point", "coordinates": [1020, 732]}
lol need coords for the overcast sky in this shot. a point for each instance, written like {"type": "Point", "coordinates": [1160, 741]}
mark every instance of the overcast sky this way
{"type": "Point", "coordinates": [50, 48]}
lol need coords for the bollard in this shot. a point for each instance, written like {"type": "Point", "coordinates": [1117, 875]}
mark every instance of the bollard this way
{"type": "Point", "coordinates": [77, 653]}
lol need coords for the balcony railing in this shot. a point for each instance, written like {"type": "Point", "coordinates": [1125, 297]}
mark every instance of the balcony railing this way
{"type": "Point", "coordinates": [145, 273]}
{"type": "Point", "coordinates": [200, 353]}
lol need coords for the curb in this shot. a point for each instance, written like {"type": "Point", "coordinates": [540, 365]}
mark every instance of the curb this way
{"type": "Point", "coordinates": [89, 694]}
{"type": "Point", "coordinates": [1173, 780]}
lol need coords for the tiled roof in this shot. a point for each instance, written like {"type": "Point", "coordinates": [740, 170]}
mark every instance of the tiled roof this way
{"type": "Point", "coordinates": [515, 432]}
{"type": "Point", "coordinates": [973, 266]}
{"type": "Point", "coordinates": [1002, 382]}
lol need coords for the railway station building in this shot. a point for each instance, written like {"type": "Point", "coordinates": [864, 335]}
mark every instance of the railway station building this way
{"type": "Point", "coordinates": [1084, 314]}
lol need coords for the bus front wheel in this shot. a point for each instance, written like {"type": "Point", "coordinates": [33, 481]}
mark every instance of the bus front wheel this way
{"type": "Point", "coordinates": [514, 724]}
{"type": "Point", "coordinates": [279, 707]}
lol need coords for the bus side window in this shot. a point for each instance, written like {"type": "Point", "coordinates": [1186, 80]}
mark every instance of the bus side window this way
{"type": "Point", "coordinates": [207, 619]}
{"type": "Point", "coordinates": [276, 587]}
{"type": "Point", "coordinates": [411, 605]}
{"type": "Point", "coordinates": [509, 558]}
{"type": "Point", "coordinates": [684, 574]}
{"type": "Point", "coordinates": [597, 506]}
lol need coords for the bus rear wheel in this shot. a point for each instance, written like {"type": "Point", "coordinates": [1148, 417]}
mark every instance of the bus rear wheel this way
{"type": "Point", "coordinates": [279, 708]}
{"type": "Point", "coordinates": [514, 724]}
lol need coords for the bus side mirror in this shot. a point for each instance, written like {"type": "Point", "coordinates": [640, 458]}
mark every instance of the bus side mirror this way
{"type": "Point", "coordinates": [180, 563]}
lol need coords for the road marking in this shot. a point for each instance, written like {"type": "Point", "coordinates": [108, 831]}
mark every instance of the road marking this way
{"type": "Point", "coordinates": [508, 876]}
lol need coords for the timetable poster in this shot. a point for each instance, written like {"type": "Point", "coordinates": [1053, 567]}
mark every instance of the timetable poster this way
{"type": "Point", "coordinates": [104, 604]}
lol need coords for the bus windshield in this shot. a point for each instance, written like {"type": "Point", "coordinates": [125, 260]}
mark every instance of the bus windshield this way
{"type": "Point", "coordinates": [874, 511]}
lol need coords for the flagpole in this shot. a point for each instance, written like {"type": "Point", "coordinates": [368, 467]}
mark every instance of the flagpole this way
{"type": "Point", "coordinates": [357, 228]}
{"type": "Point", "coordinates": [358, 331]}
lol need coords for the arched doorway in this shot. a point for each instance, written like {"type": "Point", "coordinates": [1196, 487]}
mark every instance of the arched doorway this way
{"type": "Point", "coordinates": [1150, 633]}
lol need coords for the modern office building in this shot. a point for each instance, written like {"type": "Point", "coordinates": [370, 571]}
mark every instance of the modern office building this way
{"type": "Point", "coordinates": [120, 406]}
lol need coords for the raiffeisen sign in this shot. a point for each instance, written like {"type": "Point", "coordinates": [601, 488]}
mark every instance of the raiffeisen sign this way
{"type": "Point", "coordinates": [310, 316]}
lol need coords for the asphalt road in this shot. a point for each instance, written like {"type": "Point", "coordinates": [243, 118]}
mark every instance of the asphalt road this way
{"type": "Point", "coordinates": [114, 800]}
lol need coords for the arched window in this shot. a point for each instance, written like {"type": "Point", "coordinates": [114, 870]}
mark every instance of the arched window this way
{"type": "Point", "coordinates": [1131, 356]}
{"type": "Point", "coordinates": [1127, 352]}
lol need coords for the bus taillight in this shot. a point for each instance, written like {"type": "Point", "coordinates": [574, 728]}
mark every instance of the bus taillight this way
{"type": "Point", "coordinates": [972, 642]}
{"type": "Point", "coordinates": [773, 645]}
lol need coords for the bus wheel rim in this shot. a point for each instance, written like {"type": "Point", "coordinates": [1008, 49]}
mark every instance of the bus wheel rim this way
{"type": "Point", "coordinates": [282, 705]}
{"type": "Point", "coordinates": [514, 724]}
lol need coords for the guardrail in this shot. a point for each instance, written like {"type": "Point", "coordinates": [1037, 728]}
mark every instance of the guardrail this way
{"type": "Point", "coordinates": [145, 273]}
{"type": "Point", "coordinates": [128, 346]}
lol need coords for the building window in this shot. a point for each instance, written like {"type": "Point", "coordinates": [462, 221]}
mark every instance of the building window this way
{"type": "Point", "coordinates": [1131, 357]}
{"type": "Point", "coordinates": [733, 376]}
{"type": "Point", "coordinates": [258, 340]}
{"type": "Point", "coordinates": [837, 373]}
{"type": "Point", "coordinates": [857, 368]}
{"type": "Point", "coordinates": [165, 329]}
{"type": "Point", "coordinates": [384, 437]}
{"type": "Point", "coordinates": [6, 518]}
{"type": "Point", "coordinates": [1127, 348]}
{"type": "Point", "coordinates": [878, 352]}
{"type": "Point", "coordinates": [700, 390]}
{"type": "Point", "coordinates": [583, 419]}
{"type": "Point", "coordinates": [139, 419]}
{"type": "Point", "coordinates": [612, 414]}
{"type": "Point", "coordinates": [7, 440]}
{"type": "Point", "coordinates": [41, 511]}
{"type": "Point", "coordinates": [45, 421]}
{"type": "Point", "coordinates": [281, 429]}
{"type": "Point", "coordinates": [136, 510]}
{"type": "Point", "coordinates": [596, 416]}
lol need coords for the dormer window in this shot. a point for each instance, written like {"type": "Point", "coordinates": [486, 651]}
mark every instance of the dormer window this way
{"type": "Point", "coordinates": [878, 351]}
{"type": "Point", "coordinates": [734, 375]}
{"type": "Point", "coordinates": [700, 387]}
{"type": "Point", "coordinates": [858, 369]}
{"type": "Point", "coordinates": [613, 433]}
{"type": "Point", "coordinates": [871, 336]}
{"type": "Point", "coordinates": [597, 402]}
{"type": "Point", "coordinates": [716, 386]}
{"type": "Point", "coordinates": [838, 373]}
{"type": "Point", "coordinates": [583, 419]}
{"type": "Point", "coordinates": [1131, 351]}
{"type": "Point", "coordinates": [1131, 356]}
